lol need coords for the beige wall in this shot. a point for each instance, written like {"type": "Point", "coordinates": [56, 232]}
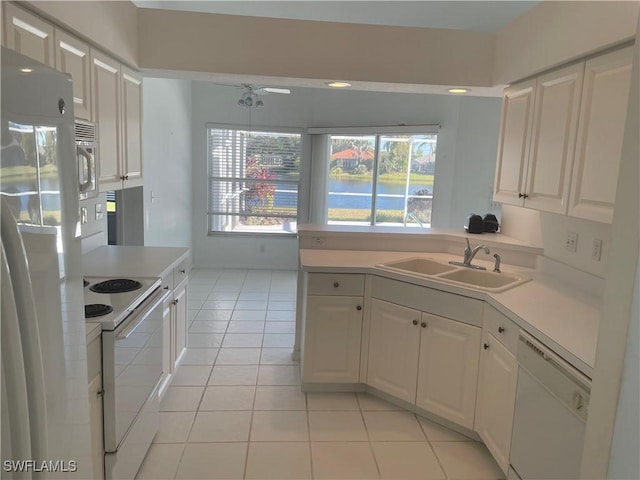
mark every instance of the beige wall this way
{"type": "Point", "coordinates": [112, 25]}
{"type": "Point", "coordinates": [553, 33]}
{"type": "Point", "coordinates": [172, 40]}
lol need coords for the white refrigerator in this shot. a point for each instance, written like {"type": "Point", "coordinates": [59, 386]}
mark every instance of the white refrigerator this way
{"type": "Point", "coordinates": [44, 403]}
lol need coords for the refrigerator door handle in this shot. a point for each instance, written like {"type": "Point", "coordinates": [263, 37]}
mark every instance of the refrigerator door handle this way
{"type": "Point", "coordinates": [16, 441]}
{"type": "Point", "coordinates": [28, 322]}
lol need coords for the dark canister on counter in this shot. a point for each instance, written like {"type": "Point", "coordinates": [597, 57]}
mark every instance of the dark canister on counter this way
{"type": "Point", "coordinates": [474, 224]}
{"type": "Point", "coordinates": [491, 224]}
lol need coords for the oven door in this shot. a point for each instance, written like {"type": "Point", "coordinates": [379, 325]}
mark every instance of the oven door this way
{"type": "Point", "coordinates": [132, 367]}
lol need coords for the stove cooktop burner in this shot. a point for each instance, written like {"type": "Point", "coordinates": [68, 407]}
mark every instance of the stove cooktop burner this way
{"type": "Point", "coordinates": [97, 310]}
{"type": "Point", "coordinates": [117, 285]}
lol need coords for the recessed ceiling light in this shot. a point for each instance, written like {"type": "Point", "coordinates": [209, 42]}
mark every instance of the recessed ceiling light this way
{"type": "Point", "coordinates": [458, 90]}
{"type": "Point", "coordinates": [26, 70]}
{"type": "Point", "coordinates": [339, 84]}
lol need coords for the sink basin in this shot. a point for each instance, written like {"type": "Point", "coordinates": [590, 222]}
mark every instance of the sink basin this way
{"type": "Point", "coordinates": [484, 280]}
{"type": "Point", "coordinates": [424, 266]}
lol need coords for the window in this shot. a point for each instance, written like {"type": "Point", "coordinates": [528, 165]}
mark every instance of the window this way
{"type": "Point", "coordinates": [382, 179]}
{"type": "Point", "coordinates": [254, 177]}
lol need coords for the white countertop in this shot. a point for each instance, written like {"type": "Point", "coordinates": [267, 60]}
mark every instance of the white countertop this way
{"type": "Point", "coordinates": [130, 261]}
{"type": "Point", "coordinates": [564, 318]}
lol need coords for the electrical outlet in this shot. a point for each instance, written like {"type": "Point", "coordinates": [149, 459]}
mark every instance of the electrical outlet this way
{"type": "Point", "coordinates": [99, 214]}
{"type": "Point", "coordinates": [83, 215]}
{"type": "Point", "coordinates": [596, 251]}
{"type": "Point", "coordinates": [571, 243]}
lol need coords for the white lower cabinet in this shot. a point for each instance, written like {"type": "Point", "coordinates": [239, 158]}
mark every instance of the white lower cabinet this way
{"type": "Point", "coordinates": [179, 323]}
{"type": "Point", "coordinates": [496, 398]}
{"type": "Point", "coordinates": [424, 359]}
{"type": "Point", "coordinates": [167, 370]}
{"type": "Point", "coordinates": [333, 330]}
{"type": "Point", "coordinates": [94, 371]}
{"type": "Point", "coordinates": [448, 368]}
{"type": "Point", "coordinates": [394, 347]}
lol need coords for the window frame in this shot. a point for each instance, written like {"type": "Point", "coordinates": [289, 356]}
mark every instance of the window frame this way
{"type": "Point", "coordinates": [209, 177]}
{"type": "Point", "coordinates": [377, 133]}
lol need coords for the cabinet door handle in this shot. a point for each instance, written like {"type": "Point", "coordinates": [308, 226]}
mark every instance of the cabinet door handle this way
{"type": "Point", "coordinates": [415, 322]}
{"type": "Point", "coordinates": [359, 307]}
{"type": "Point", "coordinates": [520, 194]}
{"type": "Point", "coordinates": [336, 285]}
{"type": "Point", "coordinates": [500, 329]}
{"type": "Point", "coordinates": [166, 288]}
{"type": "Point", "coordinates": [423, 324]}
{"type": "Point", "coordinates": [485, 346]}
{"type": "Point", "coordinates": [183, 271]}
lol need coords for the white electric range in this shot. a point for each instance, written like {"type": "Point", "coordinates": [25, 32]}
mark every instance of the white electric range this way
{"type": "Point", "coordinates": [118, 305]}
{"type": "Point", "coordinates": [132, 342]}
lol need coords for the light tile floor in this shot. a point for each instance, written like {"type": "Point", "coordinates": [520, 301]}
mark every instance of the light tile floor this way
{"type": "Point", "coordinates": [235, 409]}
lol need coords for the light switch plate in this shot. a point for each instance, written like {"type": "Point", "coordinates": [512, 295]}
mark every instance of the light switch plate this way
{"type": "Point", "coordinates": [83, 215]}
{"type": "Point", "coordinates": [99, 213]}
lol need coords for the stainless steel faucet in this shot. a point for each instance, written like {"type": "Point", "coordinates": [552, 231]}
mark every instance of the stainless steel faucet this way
{"type": "Point", "coordinates": [469, 254]}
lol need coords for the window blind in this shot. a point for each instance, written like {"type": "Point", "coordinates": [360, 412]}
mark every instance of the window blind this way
{"type": "Point", "coordinates": [254, 178]}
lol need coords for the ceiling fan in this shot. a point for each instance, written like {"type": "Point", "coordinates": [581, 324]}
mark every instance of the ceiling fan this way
{"type": "Point", "coordinates": [251, 93]}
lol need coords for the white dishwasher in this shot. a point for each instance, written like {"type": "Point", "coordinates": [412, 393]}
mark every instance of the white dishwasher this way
{"type": "Point", "coordinates": [552, 400]}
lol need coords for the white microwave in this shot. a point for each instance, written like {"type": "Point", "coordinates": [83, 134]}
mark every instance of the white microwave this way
{"type": "Point", "coordinates": [86, 155]}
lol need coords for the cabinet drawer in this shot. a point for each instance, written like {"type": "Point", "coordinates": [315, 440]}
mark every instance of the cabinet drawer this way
{"type": "Point", "coordinates": [503, 329]}
{"type": "Point", "coordinates": [181, 270]}
{"type": "Point", "coordinates": [335, 284]}
{"type": "Point", "coordinates": [94, 358]}
{"type": "Point", "coordinates": [167, 279]}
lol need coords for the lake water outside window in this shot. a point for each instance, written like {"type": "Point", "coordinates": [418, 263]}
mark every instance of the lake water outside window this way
{"type": "Point", "coordinates": [381, 179]}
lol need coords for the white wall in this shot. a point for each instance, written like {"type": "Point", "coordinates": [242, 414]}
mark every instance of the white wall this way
{"type": "Point", "coordinates": [466, 148]}
{"type": "Point", "coordinates": [571, 30]}
{"type": "Point", "coordinates": [550, 231]}
{"type": "Point", "coordinates": [167, 162]}
{"type": "Point", "coordinates": [230, 44]}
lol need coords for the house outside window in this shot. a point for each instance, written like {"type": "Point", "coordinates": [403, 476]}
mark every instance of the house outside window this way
{"type": "Point", "coordinates": [254, 178]}
{"type": "Point", "coordinates": [381, 179]}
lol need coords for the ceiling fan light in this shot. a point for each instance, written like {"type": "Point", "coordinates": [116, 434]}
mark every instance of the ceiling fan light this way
{"type": "Point", "coordinates": [241, 102]}
{"type": "Point", "coordinates": [259, 103]}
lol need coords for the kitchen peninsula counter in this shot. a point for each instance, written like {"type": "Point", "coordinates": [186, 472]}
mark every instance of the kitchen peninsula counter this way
{"type": "Point", "coordinates": [550, 306]}
{"type": "Point", "coordinates": [131, 261]}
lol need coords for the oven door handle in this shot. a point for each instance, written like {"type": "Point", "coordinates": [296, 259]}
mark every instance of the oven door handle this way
{"type": "Point", "coordinates": [131, 326]}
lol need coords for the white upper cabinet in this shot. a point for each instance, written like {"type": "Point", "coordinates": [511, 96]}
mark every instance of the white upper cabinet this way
{"type": "Point", "coordinates": [601, 128]}
{"type": "Point", "coordinates": [513, 145]}
{"type": "Point", "coordinates": [131, 127]}
{"type": "Point", "coordinates": [29, 35]}
{"type": "Point", "coordinates": [538, 131]}
{"type": "Point", "coordinates": [561, 138]}
{"type": "Point", "coordinates": [555, 120]}
{"type": "Point", "coordinates": [72, 57]}
{"type": "Point", "coordinates": [105, 78]}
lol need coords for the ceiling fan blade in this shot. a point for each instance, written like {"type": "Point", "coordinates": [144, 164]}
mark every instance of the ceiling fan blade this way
{"type": "Point", "coordinates": [263, 90]}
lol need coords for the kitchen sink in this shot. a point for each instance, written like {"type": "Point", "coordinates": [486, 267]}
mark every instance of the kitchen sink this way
{"type": "Point", "coordinates": [467, 277]}
{"type": "Point", "coordinates": [424, 266]}
{"type": "Point", "coordinates": [490, 281]}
